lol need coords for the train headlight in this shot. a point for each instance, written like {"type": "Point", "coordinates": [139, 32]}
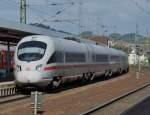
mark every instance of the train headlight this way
{"type": "Point", "coordinates": [39, 67]}
{"type": "Point", "coordinates": [18, 68]}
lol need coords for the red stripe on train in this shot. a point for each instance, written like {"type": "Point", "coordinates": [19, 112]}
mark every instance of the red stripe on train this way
{"type": "Point", "coordinates": [68, 66]}
{"type": "Point", "coordinates": [51, 68]}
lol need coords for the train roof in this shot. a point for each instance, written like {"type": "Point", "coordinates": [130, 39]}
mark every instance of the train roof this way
{"type": "Point", "coordinates": [116, 51]}
{"type": "Point", "coordinates": [96, 47]}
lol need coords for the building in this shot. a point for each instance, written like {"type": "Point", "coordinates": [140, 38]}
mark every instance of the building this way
{"type": "Point", "coordinates": [133, 57]}
{"type": "Point", "coordinates": [143, 58]}
{"type": "Point", "coordinates": [99, 39]}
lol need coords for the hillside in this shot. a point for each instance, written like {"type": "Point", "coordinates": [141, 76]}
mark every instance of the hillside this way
{"type": "Point", "coordinates": [130, 37]}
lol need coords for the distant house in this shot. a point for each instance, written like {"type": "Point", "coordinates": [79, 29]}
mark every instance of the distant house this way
{"type": "Point", "coordinates": [99, 39]}
{"type": "Point", "coordinates": [147, 56]}
{"type": "Point", "coordinates": [133, 57]}
{"type": "Point", "coordinates": [120, 43]}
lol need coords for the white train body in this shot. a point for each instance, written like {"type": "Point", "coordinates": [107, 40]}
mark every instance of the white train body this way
{"type": "Point", "coordinates": [40, 60]}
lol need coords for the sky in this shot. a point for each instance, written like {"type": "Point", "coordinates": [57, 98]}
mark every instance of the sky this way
{"type": "Point", "coordinates": [98, 16]}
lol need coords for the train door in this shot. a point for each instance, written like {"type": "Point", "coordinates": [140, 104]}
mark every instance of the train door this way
{"type": "Point", "coordinates": [89, 60]}
{"type": "Point", "coordinates": [111, 62]}
{"type": "Point", "coordinates": [60, 54]}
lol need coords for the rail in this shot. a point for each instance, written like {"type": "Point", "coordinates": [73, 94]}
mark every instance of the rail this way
{"type": "Point", "coordinates": [103, 105]}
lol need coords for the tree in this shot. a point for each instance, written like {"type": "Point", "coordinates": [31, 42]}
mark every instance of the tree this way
{"type": "Point", "coordinates": [125, 49]}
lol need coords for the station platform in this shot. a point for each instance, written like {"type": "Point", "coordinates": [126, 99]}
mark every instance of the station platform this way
{"type": "Point", "coordinates": [6, 84]}
{"type": "Point", "coordinates": [141, 108]}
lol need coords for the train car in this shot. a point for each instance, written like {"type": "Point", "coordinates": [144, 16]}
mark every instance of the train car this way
{"type": "Point", "coordinates": [4, 58]}
{"type": "Point", "coordinates": [42, 61]}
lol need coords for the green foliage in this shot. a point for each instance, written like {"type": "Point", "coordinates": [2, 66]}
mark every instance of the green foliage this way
{"type": "Point", "coordinates": [125, 49]}
{"type": "Point", "coordinates": [86, 34]}
{"type": "Point", "coordinates": [115, 36]}
{"type": "Point", "coordinates": [149, 60]}
{"type": "Point", "coordinates": [130, 37]}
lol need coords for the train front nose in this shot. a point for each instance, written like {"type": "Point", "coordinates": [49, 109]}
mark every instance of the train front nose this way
{"type": "Point", "coordinates": [28, 77]}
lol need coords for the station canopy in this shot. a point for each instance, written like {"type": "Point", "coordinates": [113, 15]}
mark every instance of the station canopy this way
{"type": "Point", "coordinates": [12, 32]}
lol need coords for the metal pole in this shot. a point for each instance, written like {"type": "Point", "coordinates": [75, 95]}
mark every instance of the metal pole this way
{"type": "Point", "coordinates": [23, 11]}
{"type": "Point", "coordinates": [138, 70]}
{"type": "Point", "coordinates": [79, 14]}
{"type": "Point", "coordinates": [35, 103]}
{"type": "Point", "coordinates": [139, 65]}
{"type": "Point", "coordinates": [8, 58]}
{"type": "Point", "coordinates": [98, 24]}
{"type": "Point", "coordinates": [136, 52]}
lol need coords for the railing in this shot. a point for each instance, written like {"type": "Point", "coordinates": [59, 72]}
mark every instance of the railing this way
{"type": "Point", "coordinates": [7, 89]}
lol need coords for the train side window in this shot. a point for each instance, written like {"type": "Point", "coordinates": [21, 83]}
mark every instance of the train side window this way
{"type": "Point", "coordinates": [115, 58]}
{"type": "Point", "coordinates": [57, 57]}
{"type": "Point", "coordinates": [124, 59]}
{"type": "Point", "coordinates": [93, 58]}
{"type": "Point", "coordinates": [101, 58]}
{"type": "Point", "coordinates": [74, 57]}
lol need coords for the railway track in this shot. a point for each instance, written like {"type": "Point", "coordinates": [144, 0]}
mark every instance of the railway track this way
{"type": "Point", "coordinates": [110, 102]}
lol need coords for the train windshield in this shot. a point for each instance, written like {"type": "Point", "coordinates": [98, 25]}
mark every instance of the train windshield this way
{"type": "Point", "coordinates": [31, 51]}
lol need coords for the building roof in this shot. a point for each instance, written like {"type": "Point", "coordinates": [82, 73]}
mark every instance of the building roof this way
{"type": "Point", "coordinates": [13, 32]}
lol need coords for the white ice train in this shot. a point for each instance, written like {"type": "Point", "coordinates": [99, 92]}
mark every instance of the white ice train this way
{"type": "Point", "coordinates": [41, 61]}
